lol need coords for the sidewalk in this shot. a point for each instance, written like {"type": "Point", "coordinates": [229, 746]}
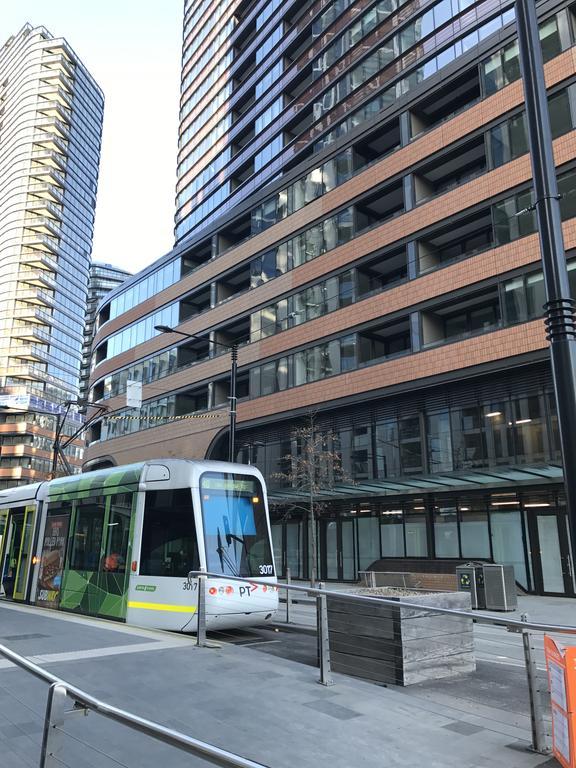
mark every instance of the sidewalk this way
{"type": "Point", "coordinates": [263, 707]}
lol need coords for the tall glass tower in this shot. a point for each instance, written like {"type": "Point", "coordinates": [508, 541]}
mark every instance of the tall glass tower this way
{"type": "Point", "coordinates": [51, 114]}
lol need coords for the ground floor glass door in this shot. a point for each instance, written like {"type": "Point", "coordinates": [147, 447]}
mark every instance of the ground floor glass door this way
{"type": "Point", "coordinates": [338, 546]}
{"type": "Point", "coordinates": [550, 553]}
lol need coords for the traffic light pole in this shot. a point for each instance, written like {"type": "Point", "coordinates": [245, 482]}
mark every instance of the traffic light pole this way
{"type": "Point", "coordinates": [559, 308]}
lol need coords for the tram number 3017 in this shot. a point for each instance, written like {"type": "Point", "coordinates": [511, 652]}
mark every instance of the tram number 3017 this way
{"type": "Point", "coordinates": [266, 570]}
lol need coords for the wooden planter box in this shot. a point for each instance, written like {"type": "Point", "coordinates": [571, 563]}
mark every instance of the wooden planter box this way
{"type": "Point", "coordinates": [401, 645]}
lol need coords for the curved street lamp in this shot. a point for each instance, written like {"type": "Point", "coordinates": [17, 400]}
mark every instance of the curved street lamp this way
{"type": "Point", "coordinates": [233, 374]}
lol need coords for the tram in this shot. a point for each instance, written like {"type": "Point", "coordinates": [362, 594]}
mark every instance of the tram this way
{"type": "Point", "coordinates": [119, 543]}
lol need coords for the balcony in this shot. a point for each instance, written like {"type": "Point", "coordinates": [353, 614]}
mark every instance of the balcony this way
{"type": "Point", "coordinates": [54, 93]}
{"type": "Point", "coordinates": [57, 77]}
{"type": "Point", "coordinates": [33, 352]}
{"type": "Point", "coordinates": [41, 225]}
{"type": "Point", "coordinates": [38, 297]}
{"type": "Point", "coordinates": [37, 277]}
{"type": "Point", "coordinates": [41, 243]}
{"type": "Point", "coordinates": [43, 208]}
{"type": "Point", "coordinates": [57, 62]}
{"type": "Point", "coordinates": [48, 175]}
{"type": "Point", "coordinates": [50, 141]}
{"type": "Point", "coordinates": [46, 192]}
{"type": "Point", "coordinates": [33, 313]}
{"type": "Point", "coordinates": [39, 260]}
{"type": "Point", "coordinates": [58, 127]}
{"type": "Point", "coordinates": [450, 170]}
{"type": "Point", "coordinates": [30, 333]}
{"type": "Point", "coordinates": [49, 159]}
{"type": "Point", "coordinates": [54, 109]}
{"type": "Point", "coordinates": [461, 318]}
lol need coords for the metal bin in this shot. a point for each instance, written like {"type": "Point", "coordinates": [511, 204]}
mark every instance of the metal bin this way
{"type": "Point", "coordinates": [500, 587]}
{"type": "Point", "coordinates": [470, 578]}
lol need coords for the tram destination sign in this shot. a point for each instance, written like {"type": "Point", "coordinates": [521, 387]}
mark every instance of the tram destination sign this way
{"type": "Point", "coordinates": [234, 484]}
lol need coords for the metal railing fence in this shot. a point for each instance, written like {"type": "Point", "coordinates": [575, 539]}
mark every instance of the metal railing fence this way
{"type": "Point", "coordinates": [525, 627]}
{"type": "Point", "coordinates": [56, 714]}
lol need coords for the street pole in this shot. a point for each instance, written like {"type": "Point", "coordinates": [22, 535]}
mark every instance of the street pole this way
{"type": "Point", "coordinates": [233, 373]}
{"type": "Point", "coordinates": [560, 320]}
{"type": "Point", "coordinates": [56, 446]}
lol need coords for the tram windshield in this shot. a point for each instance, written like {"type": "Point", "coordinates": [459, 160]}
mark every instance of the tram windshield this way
{"type": "Point", "coordinates": [235, 525]}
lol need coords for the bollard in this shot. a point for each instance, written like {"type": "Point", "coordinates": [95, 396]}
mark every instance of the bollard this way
{"type": "Point", "coordinates": [201, 612]}
{"type": "Point", "coordinates": [534, 692]}
{"type": "Point", "coordinates": [323, 639]}
{"type": "Point", "coordinates": [53, 737]}
{"type": "Point", "coordinates": [288, 596]}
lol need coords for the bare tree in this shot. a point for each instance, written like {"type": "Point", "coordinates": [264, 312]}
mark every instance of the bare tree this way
{"type": "Point", "coordinates": [313, 466]}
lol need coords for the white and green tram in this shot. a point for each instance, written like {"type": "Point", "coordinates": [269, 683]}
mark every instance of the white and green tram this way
{"type": "Point", "coordinates": [119, 543]}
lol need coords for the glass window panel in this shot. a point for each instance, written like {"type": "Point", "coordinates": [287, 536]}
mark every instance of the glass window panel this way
{"type": "Point", "coordinates": [515, 305]}
{"type": "Point", "coordinates": [560, 116]}
{"type": "Point", "coordinates": [567, 188]}
{"type": "Point", "coordinates": [333, 357]}
{"type": "Point", "coordinates": [439, 442]}
{"type": "Point", "coordinates": [169, 544]}
{"type": "Point", "coordinates": [416, 536]}
{"type": "Point", "coordinates": [474, 534]}
{"type": "Point", "coordinates": [300, 368]}
{"type": "Point", "coordinates": [387, 448]}
{"type": "Point", "coordinates": [117, 541]}
{"type": "Point", "coordinates": [506, 529]}
{"type": "Point", "coordinates": [268, 378]}
{"type": "Point", "coordinates": [368, 541]}
{"type": "Point", "coordinates": [410, 445]}
{"type": "Point", "coordinates": [348, 355]}
{"type": "Point", "coordinates": [87, 539]}
{"type": "Point", "coordinates": [392, 533]}
{"type": "Point", "coordinates": [446, 532]}
{"type": "Point", "coordinates": [536, 294]}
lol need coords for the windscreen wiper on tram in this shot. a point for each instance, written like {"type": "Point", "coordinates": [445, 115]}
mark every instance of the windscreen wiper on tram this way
{"type": "Point", "coordinates": [223, 555]}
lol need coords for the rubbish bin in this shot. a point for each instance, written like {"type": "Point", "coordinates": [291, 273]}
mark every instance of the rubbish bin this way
{"type": "Point", "coordinates": [500, 587]}
{"type": "Point", "coordinates": [470, 578]}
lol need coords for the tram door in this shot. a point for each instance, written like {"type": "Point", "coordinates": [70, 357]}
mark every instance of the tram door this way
{"type": "Point", "coordinates": [15, 551]}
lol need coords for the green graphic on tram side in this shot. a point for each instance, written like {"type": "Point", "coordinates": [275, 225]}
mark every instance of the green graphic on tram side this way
{"type": "Point", "coordinates": [106, 481]}
{"type": "Point", "coordinates": [102, 594]}
{"type": "Point", "coordinates": [145, 588]}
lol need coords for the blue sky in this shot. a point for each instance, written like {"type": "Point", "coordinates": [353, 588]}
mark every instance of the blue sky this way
{"type": "Point", "coordinates": [132, 48]}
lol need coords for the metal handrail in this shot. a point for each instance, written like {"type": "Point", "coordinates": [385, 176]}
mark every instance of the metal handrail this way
{"type": "Point", "coordinates": [479, 618]}
{"type": "Point", "coordinates": [209, 752]}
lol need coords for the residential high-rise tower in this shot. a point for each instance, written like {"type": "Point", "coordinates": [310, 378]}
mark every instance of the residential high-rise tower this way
{"type": "Point", "coordinates": [103, 278]}
{"type": "Point", "coordinates": [354, 211]}
{"type": "Point", "coordinates": [50, 131]}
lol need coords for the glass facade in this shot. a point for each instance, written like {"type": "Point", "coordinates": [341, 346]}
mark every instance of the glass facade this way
{"type": "Point", "coordinates": [310, 230]}
{"type": "Point", "coordinates": [51, 132]}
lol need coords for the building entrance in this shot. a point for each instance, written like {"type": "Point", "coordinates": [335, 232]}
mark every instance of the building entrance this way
{"type": "Point", "coordinates": [550, 553]}
{"type": "Point", "coordinates": [338, 548]}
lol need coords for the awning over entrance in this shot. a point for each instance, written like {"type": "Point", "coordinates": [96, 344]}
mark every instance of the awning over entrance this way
{"type": "Point", "coordinates": [468, 480]}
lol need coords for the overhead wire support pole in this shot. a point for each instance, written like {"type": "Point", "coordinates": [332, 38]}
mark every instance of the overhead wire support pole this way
{"type": "Point", "coordinates": [233, 400]}
{"type": "Point", "coordinates": [559, 308]}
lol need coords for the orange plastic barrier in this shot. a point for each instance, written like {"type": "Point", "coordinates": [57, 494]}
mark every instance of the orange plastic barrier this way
{"type": "Point", "coordinates": [561, 665]}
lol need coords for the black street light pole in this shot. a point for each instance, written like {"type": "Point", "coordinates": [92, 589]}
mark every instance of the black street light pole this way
{"type": "Point", "coordinates": [560, 320]}
{"type": "Point", "coordinates": [233, 375]}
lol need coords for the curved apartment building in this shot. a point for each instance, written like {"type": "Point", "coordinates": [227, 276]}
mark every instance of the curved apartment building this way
{"type": "Point", "coordinates": [50, 131]}
{"type": "Point", "coordinates": [353, 209]}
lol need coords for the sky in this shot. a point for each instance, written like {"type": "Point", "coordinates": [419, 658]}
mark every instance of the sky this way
{"type": "Point", "coordinates": [132, 48]}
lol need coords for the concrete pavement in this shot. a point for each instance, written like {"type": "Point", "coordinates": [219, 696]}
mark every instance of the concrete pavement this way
{"type": "Point", "coordinates": [265, 707]}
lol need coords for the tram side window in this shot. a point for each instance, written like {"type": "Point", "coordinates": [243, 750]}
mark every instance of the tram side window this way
{"type": "Point", "coordinates": [116, 552]}
{"type": "Point", "coordinates": [169, 543]}
{"type": "Point", "coordinates": [87, 537]}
